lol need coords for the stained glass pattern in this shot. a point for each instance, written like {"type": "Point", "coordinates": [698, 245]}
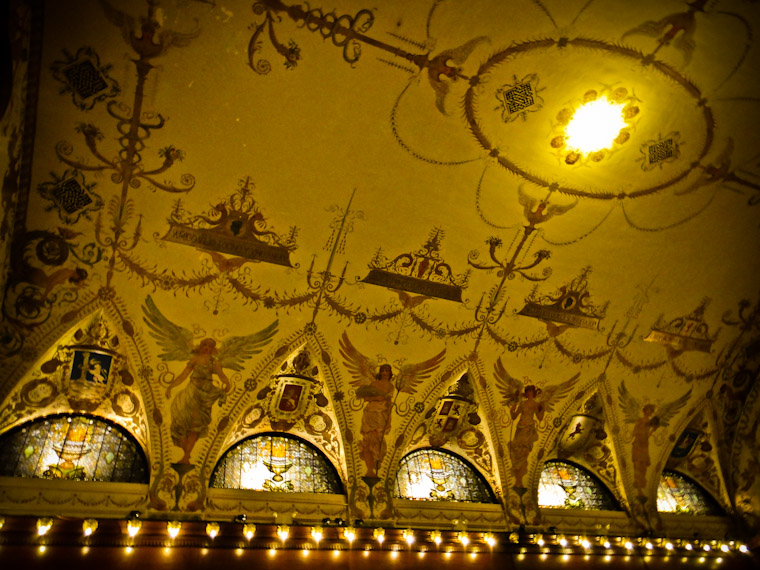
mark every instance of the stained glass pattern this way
{"type": "Point", "coordinates": [678, 494]}
{"type": "Point", "coordinates": [74, 447]}
{"type": "Point", "coordinates": [566, 486]}
{"type": "Point", "coordinates": [276, 463]}
{"type": "Point", "coordinates": [435, 475]}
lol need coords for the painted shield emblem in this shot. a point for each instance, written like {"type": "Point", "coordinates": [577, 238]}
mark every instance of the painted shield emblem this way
{"type": "Point", "coordinates": [577, 433]}
{"type": "Point", "coordinates": [291, 398]}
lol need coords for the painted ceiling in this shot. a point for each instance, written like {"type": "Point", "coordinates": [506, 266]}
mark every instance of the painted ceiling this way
{"type": "Point", "coordinates": [321, 189]}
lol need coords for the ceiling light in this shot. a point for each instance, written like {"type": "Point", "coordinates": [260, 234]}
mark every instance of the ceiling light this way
{"type": "Point", "coordinates": [409, 536]}
{"type": "Point", "coordinates": [173, 528]}
{"type": "Point", "coordinates": [283, 531]}
{"type": "Point", "coordinates": [316, 533]}
{"type": "Point", "coordinates": [133, 527]}
{"type": "Point", "coordinates": [436, 537]}
{"type": "Point", "coordinates": [212, 529]}
{"type": "Point", "coordinates": [595, 126]}
{"type": "Point", "coordinates": [248, 530]}
{"type": "Point", "coordinates": [379, 535]}
{"type": "Point", "coordinates": [89, 526]}
{"type": "Point", "coordinates": [43, 525]}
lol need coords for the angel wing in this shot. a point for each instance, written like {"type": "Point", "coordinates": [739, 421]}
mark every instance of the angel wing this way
{"type": "Point", "coordinates": [552, 394]}
{"type": "Point", "coordinates": [235, 350]}
{"type": "Point", "coordinates": [510, 387]}
{"type": "Point", "coordinates": [359, 366]}
{"type": "Point", "coordinates": [176, 341]}
{"type": "Point", "coordinates": [666, 412]}
{"type": "Point", "coordinates": [630, 405]}
{"type": "Point", "coordinates": [457, 56]}
{"type": "Point", "coordinates": [411, 375]}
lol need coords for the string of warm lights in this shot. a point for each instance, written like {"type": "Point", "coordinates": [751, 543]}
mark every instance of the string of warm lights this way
{"type": "Point", "coordinates": [394, 540]}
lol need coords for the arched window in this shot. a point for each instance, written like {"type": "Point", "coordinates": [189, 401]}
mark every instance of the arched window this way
{"type": "Point", "coordinates": [679, 494]}
{"type": "Point", "coordinates": [567, 486]}
{"type": "Point", "coordinates": [436, 475]}
{"type": "Point", "coordinates": [272, 462]}
{"type": "Point", "coordinates": [72, 446]}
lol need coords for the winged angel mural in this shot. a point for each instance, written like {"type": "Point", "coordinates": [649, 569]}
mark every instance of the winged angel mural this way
{"type": "Point", "coordinates": [530, 403]}
{"type": "Point", "coordinates": [645, 423]}
{"type": "Point", "coordinates": [380, 391]}
{"type": "Point", "coordinates": [192, 406]}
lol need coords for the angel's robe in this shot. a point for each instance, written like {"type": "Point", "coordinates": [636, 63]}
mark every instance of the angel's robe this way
{"type": "Point", "coordinates": [191, 408]}
{"type": "Point", "coordinates": [375, 424]}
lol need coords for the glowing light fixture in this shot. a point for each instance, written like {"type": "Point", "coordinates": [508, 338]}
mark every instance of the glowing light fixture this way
{"type": "Point", "coordinates": [248, 530]}
{"type": "Point", "coordinates": [212, 529]}
{"type": "Point", "coordinates": [316, 533]}
{"type": "Point", "coordinates": [595, 125]}
{"type": "Point", "coordinates": [669, 545]}
{"type": "Point", "coordinates": [540, 539]}
{"type": "Point", "coordinates": [606, 544]}
{"type": "Point", "coordinates": [89, 526]}
{"type": "Point", "coordinates": [349, 533]}
{"type": "Point", "coordinates": [283, 531]}
{"type": "Point", "coordinates": [724, 547]}
{"type": "Point", "coordinates": [436, 537]}
{"type": "Point", "coordinates": [43, 525]}
{"type": "Point", "coordinates": [743, 548]}
{"type": "Point", "coordinates": [563, 541]}
{"type": "Point", "coordinates": [409, 536]}
{"type": "Point", "coordinates": [585, 543]}
{"type": "Point", "coordinates": [379, 535]}
{"type": "Point", "coordinates": [628, 545]}
{"type": "Point", "coordinates": [2, 522]}
{"type": "Point", "coordinates": [133, 527]}
{"type": "Point", "coordinates": [649, 545]}
{"type": "Point", "coordinates": [688, 546]}
{"type": "Point", "coordinates": [490, 539]}
{"type": "Point", "coordinates": [706, 547]}
{"type": "Point", "coordinates": [463, 538]}
{"type": "Point", "coordinates": [173, 528]}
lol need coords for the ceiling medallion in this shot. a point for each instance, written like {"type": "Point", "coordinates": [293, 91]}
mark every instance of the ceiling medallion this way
{"type": "Point", "coordinates": [570, 307]}
{"type": "Point", "coordinates": [235, 226]}
{"type": "Point", "coordinates": [576, 139]}
{"type": "Point", "coordinates": [423, 271]}
{"type": "Point", "coordinates": [685, 333]}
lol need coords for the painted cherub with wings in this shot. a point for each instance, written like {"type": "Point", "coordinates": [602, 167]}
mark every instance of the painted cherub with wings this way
{"type": "Point", "coordinates": [530, 403]}
{"type": "Point", "coordinates": [191, 407]}
{"type": "Point", "coordinates": [644, 425]}
{"type": "Point", "coordinates": [377, 389]}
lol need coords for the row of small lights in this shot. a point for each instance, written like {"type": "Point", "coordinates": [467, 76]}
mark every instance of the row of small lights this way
{"type": "Point", "coordinates": [134, 524]}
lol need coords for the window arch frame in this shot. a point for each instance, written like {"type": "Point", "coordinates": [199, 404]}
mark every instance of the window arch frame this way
{"type": "Point", "coordinates": [140, 453]}
{"type": "Point", "coordinates": [711, 505]}
{"type": "Point", "coordinates": [606, 492]}
{"type": "Point", "coordinates": [318, 453]}
{"type": "Point", "coordinates": [491, 496]}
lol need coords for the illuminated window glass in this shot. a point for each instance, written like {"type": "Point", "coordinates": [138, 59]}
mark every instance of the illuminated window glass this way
{"type": "Point", "coordinates": [276, 463]}
{"type": "Point", "coordinates": [435, 475]}
{"type": "Point", "coordinates": [566, 486]}
{"type": "Point", "coordinates": [76, 447]}
{"type": "Point", "coordinates": [678, 494]}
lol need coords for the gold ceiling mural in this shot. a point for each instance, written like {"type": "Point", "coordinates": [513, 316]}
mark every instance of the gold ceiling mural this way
{"type": "Point", "coordinates": [366, 226]}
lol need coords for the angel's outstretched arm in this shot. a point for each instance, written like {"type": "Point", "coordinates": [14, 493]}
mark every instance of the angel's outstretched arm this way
{"type": "Point", "coordinates": [180, 378]}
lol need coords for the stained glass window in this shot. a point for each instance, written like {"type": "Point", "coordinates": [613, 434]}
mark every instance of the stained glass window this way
{"type": "Point", "coordinates": [567, 486]}
{"type": "Point", "coordinates": [276, 463]}
{"type": "Point", "coordinates": [678, 494]}
{"type": "Point", "coordinates": [77, 447]}
{"type": "Point", "coordinates": [435, 475]}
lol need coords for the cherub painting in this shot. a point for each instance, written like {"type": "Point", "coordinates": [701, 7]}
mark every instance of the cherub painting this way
{"type": "Point", "coordinates": [192, 405]}
{"type": "Point", "coordinates": [380, 390]}
{"type": "Point", "coordinates": [528, 403]}
{"type": "Point", "coordinates": [645, 422]}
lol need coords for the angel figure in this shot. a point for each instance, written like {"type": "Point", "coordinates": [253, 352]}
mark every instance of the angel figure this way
{"type": "Point", "coordinates": [377, 390]}
{"type": "Point", "coordinates": [191, 407]}
{"type": "Point", "coordinates": [530, 403]}
{"type": "Point", "coordinates": [644, 425]}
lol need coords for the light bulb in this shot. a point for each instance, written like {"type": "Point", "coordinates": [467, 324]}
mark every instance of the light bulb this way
{"type": "Point", "coordinates": [436, 537]}
{"type": "Point", "coordinates": [43, 525]}
{"type": "Point", "coordinates": [463, 538]}
{"type": "Point", "coordinates": [349, 533]}
{"type": "Point", "coordinates": [595, 126]}
{"type": "Point", "coordinates": [379, 535]}
{"type": "Point", "coordinates": [283, 531]}
{"type": "Point", "coordinates": [212, 529]}
{"type": "Point", "coordinates": [133, 527]}
{"type": "Point", "coordinates": [89, 526]}
{"type": "Point", "coordinates": [409, 536]}
{"type": "Point", "coordinates": [489, 539]}
{"type": "Point", "coordinates": [248, 530]}
{"type": "Point", "coordinates": [173, 528]}
{"type": "Point", "coordinates": [316, 533]}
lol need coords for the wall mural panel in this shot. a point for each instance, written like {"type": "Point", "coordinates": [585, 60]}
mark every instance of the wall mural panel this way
{"type": "Point", "coordinates": [387, 242]}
